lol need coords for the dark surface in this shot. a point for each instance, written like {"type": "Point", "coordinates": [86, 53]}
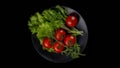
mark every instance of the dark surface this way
{"type": "Point", "coordinates": [19, 48]}
{"type": "Point", "coordinates": [24, 48]}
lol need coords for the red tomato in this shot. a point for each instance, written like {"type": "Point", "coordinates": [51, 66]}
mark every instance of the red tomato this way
{"type": "Point", "coordinates": [69, 40]}
{"type": "Point", "coordinates": [60, 34]}
{"type": "Point", "coordinates": [71, 21]}
{"type": "Point", "coordinates": [58, 48]}
{"type": "Point", "coordinates": [47, 43]}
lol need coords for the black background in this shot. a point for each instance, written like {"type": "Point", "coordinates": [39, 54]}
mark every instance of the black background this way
{"type": "Point", "coordinates": [21, 51]}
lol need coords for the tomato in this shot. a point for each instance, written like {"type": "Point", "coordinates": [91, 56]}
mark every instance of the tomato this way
{"type": "Point", "coordinates": [58, 48]}
{"type": "Point", "coordinates": [69, 40]}
{"type": "Point", "coordinates": [47, 43]}
{"type": "Point", "coordinates": [71, 21]}
{"type": "Point", "coordinates": [60, 34]}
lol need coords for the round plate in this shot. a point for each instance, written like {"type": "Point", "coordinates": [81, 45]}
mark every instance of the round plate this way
{"type": "Point", "coordinates": [58, 58]}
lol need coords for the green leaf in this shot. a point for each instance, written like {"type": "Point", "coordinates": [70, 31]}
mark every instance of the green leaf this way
{"type": "Point", "coordinates": [53, 13]}
{"type": "Point", "coordinates": [58, 24]}
{"type": "Point", "coordinates": [73, 51]}
{"type": "Point", "coordinates": [45, 30]}
{"type": "Point", "coordinates": [40, 18]}
{"type": "Point", "coordinates": [47, 15]}
{"type": "Point", "coordinates": [62, 10]}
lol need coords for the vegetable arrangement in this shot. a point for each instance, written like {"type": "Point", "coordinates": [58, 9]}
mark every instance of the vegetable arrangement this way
{"type": "Point", "coordinates": [56, 31]}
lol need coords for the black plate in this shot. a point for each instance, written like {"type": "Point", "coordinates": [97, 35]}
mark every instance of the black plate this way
{"type": "Point", "coordinates": [58, 58]}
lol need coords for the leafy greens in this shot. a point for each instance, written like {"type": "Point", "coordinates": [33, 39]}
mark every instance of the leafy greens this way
{"type": "Point", "coordinates": [44, 25]}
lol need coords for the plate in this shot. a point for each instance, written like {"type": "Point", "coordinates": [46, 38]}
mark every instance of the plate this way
{"type": "Point", "coordinates": [58, 58]}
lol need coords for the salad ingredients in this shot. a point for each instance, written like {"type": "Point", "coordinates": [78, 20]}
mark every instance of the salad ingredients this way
{"type": "Point", "coordinates": [47, 43]}
{"type": "Point", "coordinates": [73, 51]}
{"type": "Point", "coordinates": [71, 21]}
{"type": "Point", "coordinates": [58, 47]}
{"type": "Point", "coordinates": [69, 40]}
{"type": "Point", "coordinates": [55, 31]}
{"type": "Point", "coordinates": [60, 34]}
{"type": "Point", "coordinates": [45, 23]}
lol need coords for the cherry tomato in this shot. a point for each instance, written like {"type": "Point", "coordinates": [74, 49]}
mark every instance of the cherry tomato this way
{"type": "Point", "coordinates": [69, 40]}
{"type": "Point", "coordinates": [47, 43]}
{"type": "Point", "coordinates": [58, 48]}
{"type": "Point", "coordinates": [71, 21]}
{"type": "Point", "coordinates": [60, 34]}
